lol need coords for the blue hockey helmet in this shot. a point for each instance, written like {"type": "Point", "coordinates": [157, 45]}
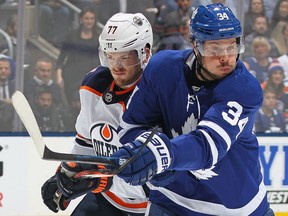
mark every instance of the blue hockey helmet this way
{"type": "Point", "coordinates": [213, 22]}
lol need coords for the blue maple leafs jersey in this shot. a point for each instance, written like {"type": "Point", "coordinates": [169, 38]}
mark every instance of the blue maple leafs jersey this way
{"type": "Point", "coordinates": [215, 151]}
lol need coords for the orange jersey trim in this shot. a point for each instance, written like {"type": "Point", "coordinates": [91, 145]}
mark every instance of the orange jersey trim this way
{"type": "Point", "coordinates": [82, 137]}
{"type": "Point", "coordinates": [124, 204]}
{"type": "Point", "coordinates": [91, 90]}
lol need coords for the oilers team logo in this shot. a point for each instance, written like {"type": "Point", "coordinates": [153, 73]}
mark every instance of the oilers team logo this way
{"type": "Point", "coordinates": [105, 139]}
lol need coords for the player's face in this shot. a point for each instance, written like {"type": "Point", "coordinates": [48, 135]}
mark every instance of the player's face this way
{"type": "Point", "coordinates": [219, 57]}
{"type": "Point", "coordinates": [125, 67]}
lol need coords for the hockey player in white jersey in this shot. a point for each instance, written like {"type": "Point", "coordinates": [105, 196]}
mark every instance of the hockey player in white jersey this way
{"type": "Point", "coordinates": [125, 48]}
{"type": "Point", "coordinates": [205, 159]}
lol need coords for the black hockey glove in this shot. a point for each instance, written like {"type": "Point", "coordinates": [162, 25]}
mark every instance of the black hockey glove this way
{"type": "Point", "coordinates": [72, 183]}
{"type": "Point", "coordinates": [51, 196]}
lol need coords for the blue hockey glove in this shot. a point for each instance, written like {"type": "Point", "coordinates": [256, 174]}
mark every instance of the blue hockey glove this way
{"type": "Point", "coordinates": [72, 185]}
{"type": "Point", "coordinates": [153, 159]}
{"type": "Point", "coordinates": [52, 198]}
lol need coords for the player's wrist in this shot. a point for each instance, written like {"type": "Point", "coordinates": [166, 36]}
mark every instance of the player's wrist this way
{"type": "Point", "coordinates": [160, 147]}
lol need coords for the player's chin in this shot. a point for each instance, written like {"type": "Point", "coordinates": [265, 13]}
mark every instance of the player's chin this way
{"type": "Point", "coordinates": [119, 78]}
{"type": "Point", "coordinates": [223, 73]}
{"type": "Point", "coordinates": [121, 82]}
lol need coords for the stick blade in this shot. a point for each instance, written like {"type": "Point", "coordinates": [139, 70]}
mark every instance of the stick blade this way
{"type": "Point", "coordinates": [27, 117]}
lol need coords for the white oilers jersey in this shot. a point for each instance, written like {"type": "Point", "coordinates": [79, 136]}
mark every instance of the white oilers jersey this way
{"type": "Point", "coordinates": [101, 110]}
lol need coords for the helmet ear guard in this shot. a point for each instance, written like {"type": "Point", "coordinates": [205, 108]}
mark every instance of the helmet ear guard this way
{"type": "Point", "coordinates": [125, 32]}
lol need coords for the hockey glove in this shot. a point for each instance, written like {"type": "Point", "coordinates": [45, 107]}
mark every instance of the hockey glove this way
{"type": "Point", "coordinates": [52, 198]}
{"type": "Point", "coordinates": [153, 159]}
{"type": "Point", "coordinates": [73, 185]}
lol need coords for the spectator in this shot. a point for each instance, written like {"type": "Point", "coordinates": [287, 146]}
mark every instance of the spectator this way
{"type": "Point", "coordinates": [42, 77]}
{"type": "Point", "coordinates": [174, 27]}
{"type": "Point", "coordinates": [7, 88]}
{"type": "Point", "coordinates": [163, 7]}
{"type": "Point", "coordinates": [283, 59]}
{"type": "Point", "coordinates": [268, 119]}
{"type": "Point", "coordinates": [269, 8]}
{"type": "Point", "coordinates": [280, 36]}
{"type": "Point", "coordinates": [282, 43]}
{"type": "Point", "coordinates": [280, 13]}
{"type": "Point", "coordinates": [256, 8]}
{"type": "Point", "coordinates": [260, 60]}
{"type": "Point", "coordinates": [49, 116]}
{"type": "Point", "coordinates": [12, 65]}
{"type": "Point", "coordinates": [11, 29]}
{"type": "Point", "coordinates": [73, 110]}
{"type": "Point", "coordinates": [79, 53]}
{"type": "Point", "coordinates": [53, 21]}
{"type": "Point", "coordinates": [276, 82]}
{"type": "Point", "coordinates": [260, 28]}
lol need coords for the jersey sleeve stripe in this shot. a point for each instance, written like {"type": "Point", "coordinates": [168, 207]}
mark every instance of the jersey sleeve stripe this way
{"type": "Point", "coordinates": [222, 133]}
{"type": "Point", "coordinates": [213, 147]}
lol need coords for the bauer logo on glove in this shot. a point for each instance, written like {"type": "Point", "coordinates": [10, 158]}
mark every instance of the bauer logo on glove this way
{"type": "Point", "coordinates": [151, 160]}
{"type": "Point", "coordinates": [159, 148]}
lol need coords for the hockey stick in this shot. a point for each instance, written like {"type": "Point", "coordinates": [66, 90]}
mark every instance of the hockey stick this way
{"type": "Point", "coordinates": [26, 115]}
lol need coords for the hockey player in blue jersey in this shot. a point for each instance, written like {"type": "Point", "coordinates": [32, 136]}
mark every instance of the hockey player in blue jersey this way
{"type": "Point", "coordinates": [205, 159]}
{"type": "Point", "coordinates": [125, 48]}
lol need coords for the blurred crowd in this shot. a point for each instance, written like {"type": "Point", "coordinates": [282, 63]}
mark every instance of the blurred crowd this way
{"type": "Point", "coordinates": [51, 85]}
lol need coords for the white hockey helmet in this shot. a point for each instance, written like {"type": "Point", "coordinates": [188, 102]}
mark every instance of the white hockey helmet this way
{"type": "Point", "coordinates": [125, 32]}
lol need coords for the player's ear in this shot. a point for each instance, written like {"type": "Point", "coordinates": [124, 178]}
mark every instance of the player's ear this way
{"type": "Point", "coordinates": [147, 54]}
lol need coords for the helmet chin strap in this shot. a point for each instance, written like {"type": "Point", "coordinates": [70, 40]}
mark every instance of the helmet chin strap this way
{"type": "Point", "coordinates": [199, 68]}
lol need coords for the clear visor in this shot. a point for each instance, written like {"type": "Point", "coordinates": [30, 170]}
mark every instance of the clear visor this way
{"type": "Point", "coordinates": [119, 59]}
{"type": "Point", "coordinates": [212, 50]}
